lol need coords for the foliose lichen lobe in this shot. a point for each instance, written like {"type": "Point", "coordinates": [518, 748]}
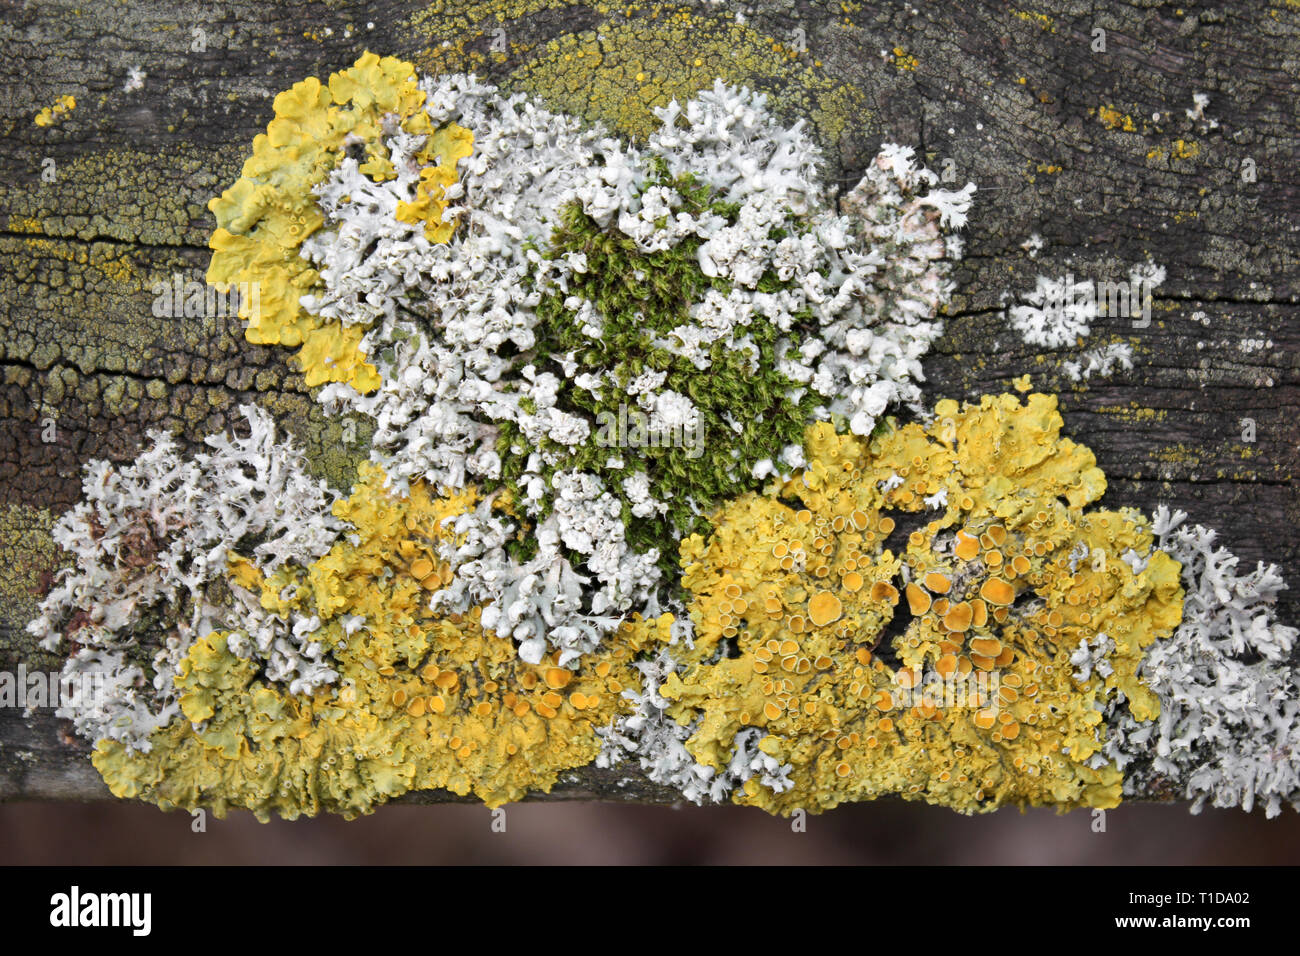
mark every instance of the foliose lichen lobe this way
{"type": "Point", "coordinates": [421, 701]}
{"type": "Point", "coordinates": [263, 219]}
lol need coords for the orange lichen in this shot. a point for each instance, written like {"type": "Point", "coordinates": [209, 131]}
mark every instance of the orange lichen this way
{"type": "Point", "coordinates": [938, 583]}
{"type": "Point", "coordinates": [968, 548]}
{"type": "Point", "coordinates": [824, 608]}
{"type": "Point", "coordinates": [917, 600]}
{"type": "Point", "coordinates": [1005, 722]}
{"type": "Point", "coordinates": [884, 591]}
{"type": "Point", "coordinates": [958, 617]}
{"type": "Point", "coordinates": [997, 591]}
{"type": "Point", "coordinates": [557, 677]}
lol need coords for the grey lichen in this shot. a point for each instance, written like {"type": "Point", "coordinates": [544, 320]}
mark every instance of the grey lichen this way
{"type": "Point", "coordinates": [1229, 727]}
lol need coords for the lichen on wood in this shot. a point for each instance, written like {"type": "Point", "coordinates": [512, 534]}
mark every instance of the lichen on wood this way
{"type": "Point", "coordinates": [1169, 429]}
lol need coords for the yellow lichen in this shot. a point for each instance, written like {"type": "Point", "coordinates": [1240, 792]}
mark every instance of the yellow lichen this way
{"type": "Point", "coordinates": [1111, 118]}
{"type": "Point", "coordinates": [1178, 149]}
{"type": "Point", "coordinates": [1043, 20]}
{"type": "Point", "coordinates": [971, 701]}
{"type": "Point", "coordinates": [265, 216]}
{"type": "Point", "coordinates": [450, 145]}
{"type": "Point", "coordinates": [53, 114]}
{"type": "Point", "coordinates": [904, 60]}
{"type": "Point", "coordinates": [113, 263]}
{"type": "Point", "coordinates": [422, 701]}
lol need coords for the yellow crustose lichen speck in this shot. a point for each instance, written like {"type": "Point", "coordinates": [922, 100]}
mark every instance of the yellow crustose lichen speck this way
{"type": "Point", "coordinates": [422, 701]}
{"type": "Point", "coordinates": [884, 653]}
{"type": "Point", "coordinates": [53, 114]}
{"type": "Point", "coordinates": [265, 216]}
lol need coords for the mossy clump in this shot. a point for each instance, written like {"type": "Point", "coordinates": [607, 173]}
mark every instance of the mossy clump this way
{"type": "Point", "coordinates": [742, 410]}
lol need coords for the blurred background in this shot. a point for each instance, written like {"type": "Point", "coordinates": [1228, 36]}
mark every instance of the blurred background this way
{"type": "Point", "coordinates": [883, 832]}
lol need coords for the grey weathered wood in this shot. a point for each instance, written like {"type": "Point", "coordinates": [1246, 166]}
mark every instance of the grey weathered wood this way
{"type": "Point", "coordinates": [1010, 97]}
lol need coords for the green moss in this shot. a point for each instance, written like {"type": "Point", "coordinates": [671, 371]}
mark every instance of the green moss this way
{"type": "Point", "coordinates": [641, 297]}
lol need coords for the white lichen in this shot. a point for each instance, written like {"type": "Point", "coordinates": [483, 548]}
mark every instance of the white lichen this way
{"type": "Point", "coordinates": [1228, 733]}
{"type": "Point", "coordinates": [657, 742]}
{"type": "Point", "coordinates": [452, 326]}
{"type": "Point", "coordinates": [1197, 112]}
{"type": "Point", "coordinates": [1057, 312]}
{"type": "Point", "coordinates": [1100, 361]}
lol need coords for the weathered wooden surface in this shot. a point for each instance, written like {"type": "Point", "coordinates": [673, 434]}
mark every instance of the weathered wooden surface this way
{"type": "Point", "coordinates": [1092, 150]}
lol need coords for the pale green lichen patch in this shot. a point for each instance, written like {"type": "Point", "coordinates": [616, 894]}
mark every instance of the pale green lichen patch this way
{"type": "Point", "coordinates": [965, 662]}
{"type": "Point", "coordinates": [32, 559]}
{"type": "Point", "coordinates": [617, 74]}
